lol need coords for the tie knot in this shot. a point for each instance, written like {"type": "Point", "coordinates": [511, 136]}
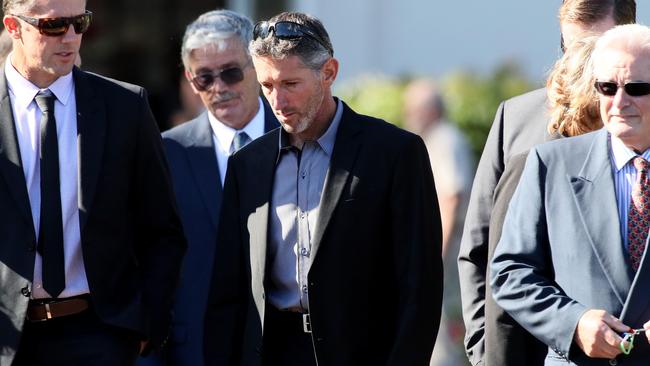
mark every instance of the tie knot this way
{"type": "Point", "coordinates": [240, 140]}
{"type": "Point", "coordinates": [641, 164]}
{"type": "Point", "coordinates": [45, 100]}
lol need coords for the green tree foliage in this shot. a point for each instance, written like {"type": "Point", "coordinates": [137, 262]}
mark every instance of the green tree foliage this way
{"type": "Point", "coordinates": [471, 98]}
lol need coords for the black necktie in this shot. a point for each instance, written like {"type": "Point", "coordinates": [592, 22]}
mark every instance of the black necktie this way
{"type": "Point", "coordinates": [50, 236]}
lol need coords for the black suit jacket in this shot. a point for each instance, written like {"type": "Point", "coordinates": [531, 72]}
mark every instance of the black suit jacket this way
{"type": "Point", "coordinates": [520, 123]}
{"type": "Point", "coordinates": [131, 236]}
{"type": "Point", "coordinates": [195, 174]}
{"type": "Point", "coordinates": [375, 281]}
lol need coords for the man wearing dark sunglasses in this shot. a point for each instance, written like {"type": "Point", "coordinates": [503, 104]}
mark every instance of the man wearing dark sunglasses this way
{"type": "Point", "coordinates": [91, 241]}
{"type": "Point", "coordinates": [571, 266]}
{"type": "Point", "coordinates": [219, 68]}
{"type": "Point", "coordinates": [492, 337]}
{"type": "Point", "coordinates": [330, 229]}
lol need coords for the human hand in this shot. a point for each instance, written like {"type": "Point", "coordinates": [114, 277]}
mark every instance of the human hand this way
{"type": "Point", "coordinates": [646, 326]}
{"type": "Point", "coordinates": [143, 345]}
{"type": "Point", "coordinates": [597, 334]}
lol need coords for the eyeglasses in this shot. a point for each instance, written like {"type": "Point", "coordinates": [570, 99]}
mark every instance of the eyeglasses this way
{"type": "Point", "coordinates": [55, 27]}
{"type": "Point", "coordinates": [230, 76]}
{"type": "Point", "coordinates": [288, 30]}
{"type": "Point", "coordinates": [633, 89]}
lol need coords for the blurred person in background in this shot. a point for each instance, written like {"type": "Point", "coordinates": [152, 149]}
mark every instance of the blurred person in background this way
{"type": "Point", "coordinates": [331, 224]}
{"type": "Point", "coordinates": [520, 123]}
{"type": "Point", "coordinates": [92, 243]}
{"type": "Point", "coordinates": [453, 167]}
{"type": "Point", "coordinates": [570, 264]}
{"type": "Point", "coordinates": [220, 72]}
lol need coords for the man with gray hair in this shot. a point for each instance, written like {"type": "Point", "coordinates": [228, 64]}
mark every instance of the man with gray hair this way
{"type": "Point", "coordinates": [572, 266]}
{"type": "Point", "coordinates": [330, 232]}
{"type": "Point", "coordinates": [219, 68]}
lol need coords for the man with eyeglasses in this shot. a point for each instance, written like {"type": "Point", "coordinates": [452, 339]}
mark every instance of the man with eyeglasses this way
{"type": "Point", "coordinates": [571, 265]}
{"type": "Point", "coordinates": [91, 241]}
{"type": "Point", "coordinates": [330, 228]}
{"type": "Point", "coordinates": [220, 71]}
{"type": "Point", "coordinates": [492, 337]}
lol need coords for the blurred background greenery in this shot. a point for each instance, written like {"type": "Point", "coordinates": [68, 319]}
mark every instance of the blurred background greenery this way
{"type": "Point", "coordinates": [471, 98]}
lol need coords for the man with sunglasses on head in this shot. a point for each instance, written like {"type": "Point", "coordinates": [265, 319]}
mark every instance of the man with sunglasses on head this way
{"type": "Point", "coordinates": [219, 68]}
{"type": "Point", "coordinates": [330, 228]}
{"type": "Point", "coordinates": [492, 337]}
{"type": "Point", "coordinates": [91, 241]}
{"type": "Point", "coordinates": [571, 266]}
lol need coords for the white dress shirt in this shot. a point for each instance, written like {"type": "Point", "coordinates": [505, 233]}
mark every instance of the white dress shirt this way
{"type": "Point", "coordinates": [27, 119]}
{"type": "Point", "coordinates": [624, 179]}
{"type": "Point", "coordinates": [223, 135]}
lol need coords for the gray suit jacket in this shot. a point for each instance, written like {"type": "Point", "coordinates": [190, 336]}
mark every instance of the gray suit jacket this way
{"type": "Point", "coordinates": [519, 124]}
{"type": "Point", "coordinates": [561, 251]}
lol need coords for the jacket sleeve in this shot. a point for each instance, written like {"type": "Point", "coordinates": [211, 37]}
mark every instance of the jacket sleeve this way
{"type": "Point", "coordinates": [522, 268]}
{"type": "Point", "coordinates": [473, 253]}
{"type": "Point", "coordinates": [417, 239]}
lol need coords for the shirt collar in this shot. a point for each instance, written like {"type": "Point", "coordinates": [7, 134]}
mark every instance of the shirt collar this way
{"type": "Point", "coordinates": [225, 134]}
{"type": "Point", "coordinates": [24, 90]}
{"type": "Point", "coordinates": [621, 154]}
{"type": "Point", "coordinates": [326, 141]}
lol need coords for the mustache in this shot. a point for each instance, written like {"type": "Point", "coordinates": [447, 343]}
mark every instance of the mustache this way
{"type": "Point", "coordinates": [224, 97]}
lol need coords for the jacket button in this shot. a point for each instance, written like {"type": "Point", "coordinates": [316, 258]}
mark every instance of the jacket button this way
{"type": "Point", "coordinates": [613, 362]}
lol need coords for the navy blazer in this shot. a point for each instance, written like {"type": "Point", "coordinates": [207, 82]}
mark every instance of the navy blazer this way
{"type": "Point", "coordinates": [561, 251]}
{"type": "Point", "coordinates": [197, 184]}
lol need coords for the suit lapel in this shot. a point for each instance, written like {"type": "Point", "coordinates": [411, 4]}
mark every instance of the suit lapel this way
{"type": "Point", "coordinates": [203, 163]}
{"type": "Point", "coordinates": [638, 299]}
{"type": "Point", "coordinates": [91, 130]}
{"type": "Point", "coordinates": [595, 196]}
{"type": "Point", "coordinates": [260, 170]}
{"type": "Point", "coordinates": [10, 162]}
{"type": "Point", "coordinates": [344, 155]}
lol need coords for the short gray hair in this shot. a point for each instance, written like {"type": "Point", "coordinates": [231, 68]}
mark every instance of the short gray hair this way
{"type": "Point", "coordinates": [213, 29]}
{"type": "Point", "coordinates": [628, 37]}
{"type": "Point", "coordinates": [311, 52]}
{"type": "Point", "coordinates": [17, 6]}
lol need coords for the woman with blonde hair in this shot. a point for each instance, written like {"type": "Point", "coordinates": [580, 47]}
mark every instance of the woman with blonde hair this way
{"type": "Point", "coordinates": [573, 101]}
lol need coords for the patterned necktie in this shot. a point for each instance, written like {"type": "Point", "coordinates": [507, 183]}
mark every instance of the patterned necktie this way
{"type": "Point", "coordinates": [50, 234]}
{"type": "Point", "coordinates": [240, 140]}
{"type": "Point", "coordinates": [638, 221]}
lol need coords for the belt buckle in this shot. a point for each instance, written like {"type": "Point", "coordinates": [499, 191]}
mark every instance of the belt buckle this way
{"type": "Point", "coordinates": [306, 323]}
{"type": "Point", "coordinates": [48, 313]}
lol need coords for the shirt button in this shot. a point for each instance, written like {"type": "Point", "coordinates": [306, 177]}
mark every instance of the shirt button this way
{"type": "Point", "coordinates": [304, 252]}
{"type": "Point", "coordinates": [303, 174]}
{"type": "Point", "coordinates": [302, 214]}
{"type": "Point", "coordinates": [38, 285]}
{"type": "Point", "coordinates": [304, 289]}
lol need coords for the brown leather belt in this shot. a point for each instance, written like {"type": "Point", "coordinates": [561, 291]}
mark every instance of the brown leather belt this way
{"type": "Point", "coordinates": [39, 310]}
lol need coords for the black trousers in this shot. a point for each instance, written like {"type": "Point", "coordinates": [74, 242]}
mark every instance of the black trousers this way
{"type": "Point", "coordinates": [76, 340]}
{"type": "Point", "coordinates": [285, 342]}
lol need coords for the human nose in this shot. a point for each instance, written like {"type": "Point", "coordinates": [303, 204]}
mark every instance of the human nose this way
{"type": "Point", "coordinates": [70, 35]}
{"type": "Point", "coordinates": [621, 98]}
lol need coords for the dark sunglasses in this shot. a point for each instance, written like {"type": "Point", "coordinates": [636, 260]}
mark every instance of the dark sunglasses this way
{"type": "Point", "coordinates": [230, 76]}
{"type": "Point", "coordinates": [288, 30]}
{"type": "Point", "coordinates": [55, 27]}
{"type": "Point", "coordinates": [633, 89]}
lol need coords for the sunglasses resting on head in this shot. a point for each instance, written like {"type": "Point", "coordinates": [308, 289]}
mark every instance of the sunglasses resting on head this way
{"type": "Point", "coordinates": [288, 30]}
{"type": "Point", "coordinates": [55, 27]}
